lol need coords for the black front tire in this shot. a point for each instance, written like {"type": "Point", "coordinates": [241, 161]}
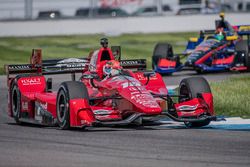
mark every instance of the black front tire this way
{"type": "Point", "coordinates": [161, 51]}
{"type": "Point", "coordinates": [165, 50]}
{"type": "Point", "coordinates": [67, 91]}
{"type": "Point", "coordinates": [62, 109]}
{"type": "Point", "coordinates": [191, 88]}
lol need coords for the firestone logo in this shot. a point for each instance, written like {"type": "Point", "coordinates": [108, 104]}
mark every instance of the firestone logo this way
{"type": "Point", "coordinates": [31, 81]}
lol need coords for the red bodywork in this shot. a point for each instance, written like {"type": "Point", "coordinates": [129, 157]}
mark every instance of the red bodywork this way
{"type": "Point", "coordinates": [137, 95]}
{"type": "Point", "coordinates": [167, 63]}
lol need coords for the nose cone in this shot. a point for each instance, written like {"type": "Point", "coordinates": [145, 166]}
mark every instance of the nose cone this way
{"type": "Point", "coordinates": [152, 111]}
{"type": "Point", "coordinates": [192, 59]}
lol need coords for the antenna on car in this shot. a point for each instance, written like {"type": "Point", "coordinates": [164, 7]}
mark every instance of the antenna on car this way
{"type": "Point", "coordinates": [104, 42]}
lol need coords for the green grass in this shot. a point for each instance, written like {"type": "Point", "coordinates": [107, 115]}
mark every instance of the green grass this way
{"type": "Point", "coordinates": [232, 97]}
{"type": "Point", "coordinates": [16, 50]}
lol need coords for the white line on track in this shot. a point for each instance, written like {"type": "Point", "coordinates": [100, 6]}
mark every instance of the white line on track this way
{"type": "Point", "coordinates": [231, 123]}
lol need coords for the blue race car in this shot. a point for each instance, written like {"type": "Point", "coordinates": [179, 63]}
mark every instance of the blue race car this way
{"type": "Point", "coordinates": [215, 50]}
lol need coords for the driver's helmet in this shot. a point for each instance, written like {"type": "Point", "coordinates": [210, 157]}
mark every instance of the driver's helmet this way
{"type": "Point", "coordinates": [111, 68]}
{"type": "Point", "coordinates": [219, 34]}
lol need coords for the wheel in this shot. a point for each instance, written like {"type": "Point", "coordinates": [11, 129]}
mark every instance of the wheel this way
{"type": "Point", "coordinates": [161, 50]}
{"type": "Point", "coordinates": [190, 88]}
{"type": "Point", "coordinates": [16, 103]}
{"type": "Point", "coordinates": [164, 49]}
{"type": "Point", "coordinates": [242, 46]}
{"type": "Point", "coordinates": [68, 90]}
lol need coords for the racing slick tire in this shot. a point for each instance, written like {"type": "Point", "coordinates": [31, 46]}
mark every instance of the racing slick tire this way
{"type": "Point", "coordinates": [161, 50]}
{"type": "Point", "coordinates": [191, 88]}
{"type": "Point", "coordinates": [16, 102]}
{"type": "Point", "coordinates": [242, 46]}
{"type": "Point", "coordinates": [68, 90]}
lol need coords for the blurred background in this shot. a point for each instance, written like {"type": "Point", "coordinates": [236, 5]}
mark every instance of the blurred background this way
{"type": "Point", "coordinates": [86, 9]}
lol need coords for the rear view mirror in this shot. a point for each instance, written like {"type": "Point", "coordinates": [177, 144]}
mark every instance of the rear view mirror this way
{"type": "Point", "coordinates": [148, 74]}
{"type": "Point", "coordinates": [116, 50]}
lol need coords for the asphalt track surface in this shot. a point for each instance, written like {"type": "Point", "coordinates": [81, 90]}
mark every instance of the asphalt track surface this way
{"type": "Point", "coordinates": [149, 146]}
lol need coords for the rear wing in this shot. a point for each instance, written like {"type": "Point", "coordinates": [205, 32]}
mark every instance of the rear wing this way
{"type": "Point", "coordinates": [46, 67]}
{"type": "Point", "coordinates": [62, 66]}
{"type": "Point", "coordinates": [54, 66]}
{"type": "Point", "coordinates": [243, 29]}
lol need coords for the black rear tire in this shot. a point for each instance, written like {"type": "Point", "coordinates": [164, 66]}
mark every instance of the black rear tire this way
{"type": "Point", "coordinates": [68, 90]}
{"type": "Point", "coordinates": [242, 46]}
{"type": "Point", "coordinates": [191, 88]}
{"type": "Point", "coordinates": [161, 50]}
{"type": "Point", "coordinates": [16, 102]}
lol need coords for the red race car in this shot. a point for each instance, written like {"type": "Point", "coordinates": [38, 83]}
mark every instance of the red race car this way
{"type": "Point", "coordinates": [107, 93]}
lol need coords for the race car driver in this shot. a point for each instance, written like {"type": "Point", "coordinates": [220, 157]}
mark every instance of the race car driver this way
{"type": "Point", "coordinates": [111, 68]}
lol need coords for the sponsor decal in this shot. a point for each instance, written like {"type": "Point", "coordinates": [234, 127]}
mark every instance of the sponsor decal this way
{"type": "Point", "coordinates": [19, 67]}
{"type": "Point", "coordinates": [72, 60]}
{"type": "Point", "coordinates": [69, 64]}
{"type": "Point", "coordinates": [187, 107]}
{"type": "Point", "coordinates": [129, 62]}
{"type": "Point", "coordinates": [129, 84]}
{"type": "Point", "coordinates": [31, 81]}
{"type": "Point", "coordinates": [132, 62]}
{"type": "Point", "coordinates": [102, 112]}
{"type": "Point", "coordinates": [125, 81]}
{"type": "Point", "coordinates": [142, 78]}
{"type": "Point", "coordinates": [145, 100]}
{"type": "Point", "coordinates": [141, 88]}
{"type": "Point", "coordinates": [75, 66]}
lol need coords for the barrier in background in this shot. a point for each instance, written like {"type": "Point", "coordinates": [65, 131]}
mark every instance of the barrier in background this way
{"type": "Point", "coordinates": [117, 26]}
